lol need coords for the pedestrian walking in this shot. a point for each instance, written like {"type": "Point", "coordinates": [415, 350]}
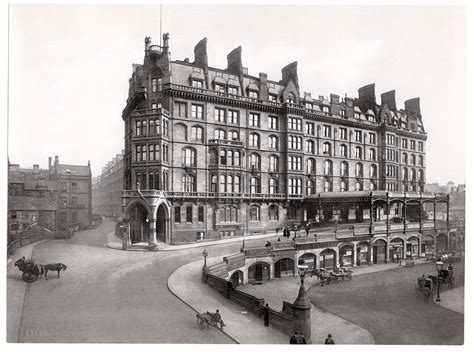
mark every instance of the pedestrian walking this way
{"type": "Point", "coordinates": [302, 339]}
{"type": "Point", "coordinates": [266, 314]}
{"type": "Point", "coordinates": [293, 340]}
{"type": "Point", "coordinates": [329, 340]}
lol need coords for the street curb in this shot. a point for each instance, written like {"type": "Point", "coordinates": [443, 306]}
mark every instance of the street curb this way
{"type": "Point", "coordinates": [27, 288]}
{"type": "Point", "coordinates": [194, 309]}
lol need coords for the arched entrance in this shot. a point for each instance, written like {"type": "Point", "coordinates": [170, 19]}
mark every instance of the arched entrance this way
{"type": "Point", "coordinates": [346, 255]}
{"type": "Point", "coordinates": [427, 245]}
{"type": "Point", "coordinates": [260, 271]}
{"type": "Point", "coordinates": [237, 278]}
{"type": "Point", "coordinates": [452, 241]}
{"type": "Point", "coordinates": [139, 226]}
{"type": "Point", "coordinates": [327, 259]}
{"type": "Point", "coordinates": [308, 259]}
{"type": "Point", "coordinates": [284, 267]}
{"type": "Point", "coordinates": [379, 249]}
{"type": "Point", "coordinates": [162, 226]}
{"type": "Point", "coordinates": [362, 253]}
{"type": "Point", "coordinates": [441, 243]}
{"type": "Point", "coordinates": [413, 244]}
{"type": "Point", "coordinates": [396, 250]}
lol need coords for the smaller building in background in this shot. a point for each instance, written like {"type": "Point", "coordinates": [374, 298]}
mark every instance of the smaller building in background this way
{"type": "Point", "coordinates": [107, 188]}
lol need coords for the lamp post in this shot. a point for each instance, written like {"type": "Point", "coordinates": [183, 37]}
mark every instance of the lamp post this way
{"type": "Point", "coordinates": [204, 254]}
{"type": "Point", "coordinates": [439, 266]}
{"type": "Point", "coordinates": [302, 308]}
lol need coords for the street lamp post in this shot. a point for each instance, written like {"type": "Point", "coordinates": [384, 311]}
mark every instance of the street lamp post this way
{"type": "Point", "coordinates": [205, 269]}
{"type": "Point", "coordinates": [302, 308]}
{"type": "Point", "coordinates": [439, 266]}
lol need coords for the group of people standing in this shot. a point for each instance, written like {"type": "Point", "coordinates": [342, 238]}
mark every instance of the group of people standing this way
{"type": "Point", "coordinates": [297, 339]}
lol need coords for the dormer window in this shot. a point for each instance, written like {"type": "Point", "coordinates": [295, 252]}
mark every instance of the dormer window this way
{"type": "Point", "coordinates": [325, 109]}
{"type": "Point", "coordinates": [308, 106]}
{"type": "Point", "coordinates": [196, 83]}
{"type": "Point", "coordinates": [343, 113]}
{"type": "Point", "coordinates": [219, 88]}
{"type": "Point", "coordinates": [233, 90]}
{"type": "Point", "coordinates": [253, 94]}
{"type": "Point", "coordinates": [272, 98]}
{"type": "Point", "coordinates": [357, 115]}
{"type": "Point", "coordinates": [291, 98]}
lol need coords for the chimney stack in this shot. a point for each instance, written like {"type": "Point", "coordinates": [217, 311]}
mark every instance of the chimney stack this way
{"type": "Point", "coordinates": [412, 106]}
{"type": "Point", "coordinates": [367, 97]}
{"type": "Point", "coordinates": [234, 62]}
{"type": "Point", "coordinates": [35, 167]}
{"type": "Point", "coordinates": [263, 86]}
{"type": "Point", "coordinates": [389, 99]}
{"type": "Point", "coordinates": [200, 53]}
{"type": "Point", "coordinates": [290, 72]}
{"type": "Point", "coordinates": [147, 43]}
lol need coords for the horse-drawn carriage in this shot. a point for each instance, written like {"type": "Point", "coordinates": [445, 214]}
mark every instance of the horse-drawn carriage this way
{"type": "Point", "coordinates": [445, 277]}
{"type": "Point", "coordinates": [208, 318]}
{"type": "Point", "coordinates": [29, 268]}
{"type": "Point", "coordinates": [424, 288]}
{"type": "Point", "coordinates": [336, 275]}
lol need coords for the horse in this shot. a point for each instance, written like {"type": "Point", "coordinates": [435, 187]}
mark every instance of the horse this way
{"type": "Point", "coordinates": [52, 267]}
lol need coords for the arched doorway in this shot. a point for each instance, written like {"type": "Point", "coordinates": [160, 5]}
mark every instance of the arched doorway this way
{"type": "Point", "coordinates": [139, 225]}
{"type": "Point", "coordinates": [346, 255]}
{"type": "Point", "coordinates": [379, 249]}
{"type": "Point", "coordinates": [396, 248]}
{"type": "Point", "coordinates": [308, 259]}
{"type": "Point", "coordinates": [452, 241]}
{"type": "Point", "coordinates": [260, 271]}
{"type": "Point", "coordinates": [427, 246]}
{"type": "Point", "coordinates": [327, 259]}
{"type": "Point", "coordinates": [362, 253]}
{"type": "Point", "coordinates": [413, 244]}
{"type": "Point", "coordinates": [284, 267]}
{"type": "Point", "coordinates": [441, 243]}
{"type": "Point", "coordinates": [237, 278]}
{"type": "Point", "coordinates": [162, 218]}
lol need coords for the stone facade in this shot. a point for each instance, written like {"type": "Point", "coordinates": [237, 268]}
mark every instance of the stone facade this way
{"type": "Point", "coordinates": [240, 154]}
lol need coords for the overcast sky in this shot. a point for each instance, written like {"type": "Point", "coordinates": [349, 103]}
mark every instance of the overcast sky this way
{"type": "Point", "coordinates": [69, 67]}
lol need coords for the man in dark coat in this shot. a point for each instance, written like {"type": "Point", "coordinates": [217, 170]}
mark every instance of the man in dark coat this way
{"type": "Point", "coordinates": [302, 339]}
{"type": "Point", "coordinates": [266, 314]}
{"type": "Point", "coordinates": [293, 340]}
{"type": "Point", "coordinates": [329, 340]}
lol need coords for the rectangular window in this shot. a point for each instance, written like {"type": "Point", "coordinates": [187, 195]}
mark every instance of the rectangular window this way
{"type": "Point", "coordinates": [420, 146]}
{"type": "Point", "coordinates": [233, 117]}
{"type": "Point", "coordinates": [74, 187]}
{"type": "Point", "coordinates": [327, 131]}
{"type": "Point", "coordinates": [372, 138]}
{"type": "Point", "coordinates": [177, 214]}
{"type": "Point", "coordinates": [253, 94]}
{"type": "Point", "coordinates": [63, 186]}
{"type": "Point", "coordinates": [405, 143]}
{"type": "Point", "coordinates": [154, 83]}
{"type": "Point", "coordinates": [196, 111]}
{"type": "Point", "coordinates": [181, 107]}
{"type": "Point", "coordinates": [233, 90]}
{"type": "Point", "coordinates": [310, 128]}
{"type": "Point", "coordinates": [294, 124]}
{"type": "Point", "coordinates": [358, 136]}
{"type": "Point", "coordinates": [273, 122]}
{"type": "Point", "coordinates": [219, 88]}
{"type": "Point", "coordinates": [189, 214]}
{"type": "Point", "coordinates": [272, 98]}
{"type": "Point", "coordinates": [412, 145]}
{"type": "Point", "coordinates": [201, 214]}
{"type": "Point", "coordinates": [308, 106]}
{"type": "Point", "coordinates": [160, 84]}
{"type": "Point", "coordinates": [196, 83]}
{"type": "Point", "coordinates": [219, 114]}
{"type": "Point", "coordinates": [254, 120]}
{"type": "Point", "coordinates": [343, 133]}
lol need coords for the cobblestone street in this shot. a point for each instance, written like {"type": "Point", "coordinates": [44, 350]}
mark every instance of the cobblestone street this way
{"type": "Point", "coordinates": [385, 304]}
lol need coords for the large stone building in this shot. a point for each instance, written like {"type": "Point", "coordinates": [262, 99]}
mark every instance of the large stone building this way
{"type": "Point", "coordinates": [212, 153]}
{"type": "Point", "coordinates": [108, 188]}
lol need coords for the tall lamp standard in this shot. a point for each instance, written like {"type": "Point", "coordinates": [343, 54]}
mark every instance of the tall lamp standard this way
{"type": "Point", "coordinates": [302, 308]}
{"type": "Point", "coordinates": [439, 266]}
{"type": "Point", "coordinates": [205, 269]}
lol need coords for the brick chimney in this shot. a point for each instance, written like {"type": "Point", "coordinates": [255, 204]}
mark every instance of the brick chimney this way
{"type": "Point", "coordinates": [200, 53]}
{"type": "Point", "coordinates": [263, 86]}
{"type": "Point", "coordinates": [389, 99]}
{"type": "Point", "coordinates": [234, 61]}
{"type": "Point", "coordinates": [412, 106]}
{"type": "Point", "coordinates": [290, 72]}
{"type": "Point", "coordinates": [367, 97]}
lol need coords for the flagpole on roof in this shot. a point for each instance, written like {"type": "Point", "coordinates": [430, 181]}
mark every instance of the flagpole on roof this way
{"type": "Point", "coordinates": [161, 20]}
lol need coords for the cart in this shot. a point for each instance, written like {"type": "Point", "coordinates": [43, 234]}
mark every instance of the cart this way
{"type": "Point", "coordinates": [206, 319]}
{"type": "Point", "coordinates": [29, 268]}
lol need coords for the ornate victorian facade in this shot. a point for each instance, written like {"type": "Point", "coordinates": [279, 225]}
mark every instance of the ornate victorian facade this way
{"type": "Point", "coordinates": [211, 153]}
